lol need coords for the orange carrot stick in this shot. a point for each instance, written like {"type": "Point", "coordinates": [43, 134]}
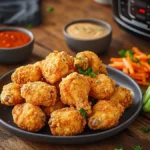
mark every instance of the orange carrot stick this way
{"type": "Point", "coordinates": [115, 59]}
{"type": "Point", "coordinates": [137, 51]}
{"type": "Point", "coordinates": [125, 70]}
{"type": "Point", "coordinates": [135, 65]}
{"type": "Point", "coordinates": [144, 79]}
{"type": "Point", "coordinates": [146, 65]}
{"type": "Point", "coordinates": [143, 83]}
{"type": "Point", "coordinates": [139, 74]}
{"type": "Point", "coordinates": [128, 64]}
{"type": "Point", "coordinates": [142, 57]}
{"type": "Point", "coordinates": [136, 77]}
{"type": "Point", "coordinates": [116, 65]}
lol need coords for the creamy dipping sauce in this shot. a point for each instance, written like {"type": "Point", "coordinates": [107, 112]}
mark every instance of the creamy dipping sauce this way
{"type": "Point", "coordinates": [86, 30]}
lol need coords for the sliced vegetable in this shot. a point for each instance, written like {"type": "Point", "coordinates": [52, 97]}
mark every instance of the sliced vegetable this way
{"type": "Point", "coordinates": [135, 63]}
{"type": "Point", "coordinates": [146, 107]}
{"type": "Point", "coordinates": [146, 100]}
{"type": "Point", "coordinates": [146, 96]}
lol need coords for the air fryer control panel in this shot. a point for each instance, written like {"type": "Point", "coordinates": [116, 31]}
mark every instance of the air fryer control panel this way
{"type": "Point", "coordinates": [133, 15]}
{"type": "Point", "coordinates": [135, 12]}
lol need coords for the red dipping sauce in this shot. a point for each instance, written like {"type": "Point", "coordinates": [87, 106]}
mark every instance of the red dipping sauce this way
{"type": "Point", "coordinates": [12, 39]}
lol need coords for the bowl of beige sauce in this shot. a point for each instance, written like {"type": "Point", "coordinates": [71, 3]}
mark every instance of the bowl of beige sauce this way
{"type": "Point", "coordinates": [88, 34]}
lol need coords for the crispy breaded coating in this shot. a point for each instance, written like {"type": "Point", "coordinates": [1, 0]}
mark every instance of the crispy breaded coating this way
{"type": "Point", "coordinates": [49, 109]}
{"type": "Point", "coordinates": [101, 87]}
{"type": "Point", "coordinates": [24, 74]}
{"type": "Point", "coordinates": [57, 65]}
{"type": "Point", "coordinates": [105, 115]}
{"type": "Point", "coordinates": [39, 93]}
{"type": "Point", "coordinates": [123, 96]}
{"type": "Point", "coordinates": [88, 59]}
{"type": "Point", "coordinates": [11, 94]}
{"type": "Point", "coordinates": [66, 122]}
{"type": "Point", "coordinates": [28, 117]}
{"type": "Point", "coordinates": [74, 91]}
{"type": "Point", "coordinates": [38, 63]}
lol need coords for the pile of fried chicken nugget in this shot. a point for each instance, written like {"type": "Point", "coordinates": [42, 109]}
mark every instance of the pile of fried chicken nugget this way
{"type": "Point", "coordinates": [69, 92]}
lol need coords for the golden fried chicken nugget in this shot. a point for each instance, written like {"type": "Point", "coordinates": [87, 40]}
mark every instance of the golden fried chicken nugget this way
{"type": "Point", "coordinates": [24, 74]}
{"type": "Point", "coordinates": [66, 122]}
{"type": "Point", "coordinates": [105, 115]}
{"type": "Point", "coordinates": [49, 109]}
{"type": "Point", "coordinates": [74, 91]}
{"type": "Point", "coordinates": [39, 93]}
{"type": "Point", "coordinates": [88, 59]}
{"type": "Point", "coordinates": [57, 65]}
{"type": "Point", "coordinates": [11, 95]}
{"type": "Point", "coordinates": [123, 96]}
{"type": "Point", "coordinates": [38, 63]}
{"type": "Point", "coordinates": [101, 87]}
{"type": "Point", "coordinates": [28, 117]}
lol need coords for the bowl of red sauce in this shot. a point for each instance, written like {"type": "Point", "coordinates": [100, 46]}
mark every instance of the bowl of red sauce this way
{"type": "Point", "coordinates": [16, 45]}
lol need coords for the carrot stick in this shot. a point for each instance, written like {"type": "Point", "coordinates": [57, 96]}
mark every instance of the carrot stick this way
{"type": "Point", "coordinates": [146, 65]}
{"type": "Point", "coordinates": [135, 77]}
{"type": "Point", "coordinates": [145, 69]}
{"type": "Point", "coordinates": [142, 57]}
{"type": "Point", "coordinates": [117, 66]}
{"type": "Point", "coordinates": [138, 71]}
{"type": "Point", "coordinates": [138, 74]}
{"type": "Point", "coordinates": [135, 65]}
{"type": "Point", "coordinates": [137, 51]}
{"type": "Point", "coordinates": [144, 79]}
{"type": "Point", "coordinates": [128, 65]}
{"type": "Point", "coordinates": [115, 59]}
{"type": "Point", "coordinates": [125, 70]}
{"type": "Point", "coordinates": [143, 83]}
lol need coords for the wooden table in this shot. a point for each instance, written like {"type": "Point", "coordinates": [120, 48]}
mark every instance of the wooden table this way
{"type": "Point", "coordinates": [48, 37]}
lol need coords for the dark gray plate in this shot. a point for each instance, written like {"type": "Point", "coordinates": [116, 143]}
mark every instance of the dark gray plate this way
{"type": "Point", "coordinates": [88, 135]}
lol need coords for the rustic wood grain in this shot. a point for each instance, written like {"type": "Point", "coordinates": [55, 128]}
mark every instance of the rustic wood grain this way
{"type": "Point", "coordinates": [49, 37]}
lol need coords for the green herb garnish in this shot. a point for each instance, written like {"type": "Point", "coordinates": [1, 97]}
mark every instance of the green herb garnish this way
{"type": "Point", "coordinates": [80, 58]}
{"type": "Point", "coordinates": [88, 71]}
{"type": "Point", "coordinates": [118, 148]}
{"type": "Point", "coordinates": [147, 53]}
{"type": "Point", "coordinates": [64, 59]}
{"type": "Point", "coordinates": [148, 60]}
{"type": "Point", "coordinates": [137, 148]}
{"type": "Point", "coordinates": [83, 112]}
{"type": "Point", "coordinates": [80, 69]}
{"type": "Point", "coordinates": [146, 130]}
{"type": "Point", "coordinates": [130, 53]}
{"type": "Point", "coordinates": [91, 73]}
{"type": "Point", "coordinates": [50, 9]}
{"type": "Point", "coordinates": [124, 53]}
{"type": "Point", "coordinates": [30, 26]}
